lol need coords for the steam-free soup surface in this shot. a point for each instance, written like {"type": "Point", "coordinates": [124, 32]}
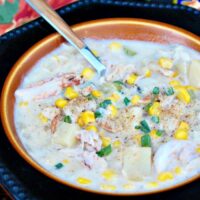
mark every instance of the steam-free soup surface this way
{"type": "Point", "coordinates": [132, 130]}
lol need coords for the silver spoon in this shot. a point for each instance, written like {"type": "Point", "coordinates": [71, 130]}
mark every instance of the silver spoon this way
{"type": "Point", "coordinates": [44, 10]}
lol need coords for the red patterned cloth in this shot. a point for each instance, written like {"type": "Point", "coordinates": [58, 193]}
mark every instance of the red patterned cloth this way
{"type": "Point", "coordinates": [14, 13]}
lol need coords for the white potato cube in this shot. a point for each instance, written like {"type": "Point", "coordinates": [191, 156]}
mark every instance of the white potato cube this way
{"type": "Point", "coordinates": [194, 73]}
{"type": "Point", "coordinates": [65, 134]}
{"type": "Point", "coordinates": [137, 162]}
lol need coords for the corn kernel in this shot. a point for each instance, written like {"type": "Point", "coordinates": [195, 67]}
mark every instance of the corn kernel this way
{"type": "Point", "coordinates": [175, 74]}
{"type": "Point", "coordinates": [108, 187]}
{"type": "Point", "coordinates": [152, 184]}
{"type": "Point", "coordinates": [135, 99]}
{"type": "Point", "coordinates": [114, 97]}
{"type": "Point", "coordinates": [175, 83]}
{"type": "Point", "coordinates": [181, 134]}
{"type": "Point", "coordinates": [148, 73]}
{"type": "Point", "coordinates": [128, 186]}
{"type": "Point", "coordinates": [96, 93]}
{"type": "Point", "coordinates": [184, 125]}
{"type": "Point", "coordinates": [131, 79]}
{"type": "Point", "coordinates": [70, 93]}
{"type": "Point", "coordinates": [65, 161]}
{"type": "Point", "coordinates": [61, 103]}
{"type": "Point", "coordinates": [91, 128]}
{"type": "Point", "coordinates": [165, 63]}
{"type": "Point", "coordinates": [155, 109]}
{"type": "Point", "coordinates": [153, 134]}
{"type": "Point", "coordinates": [116, 144]}
{"type": "Point", "coordinates": [109, 174]}
{"type": "Point", "coordinates": [85, 118]}
{"type": "Point", "coordinates": [182, 94]}
{"type": "Point", "coordinates": [83, 181]}
{"type": "Point", "coordinates": [165, 176]}
{"type": "Point", "coordinates": [137, 138]}
{"type": "Point", "coordinates": [113, 110]}
{"type": "Point", "coordinates": [198, 149]}
{"type": "Point", "coordinates": [95, 52]}
{"type": "Point", "coordinates": [115, 46]}
{"type": "Point", "coordinates": [177, 170]}
{"type": "Point", "coordinates": [105, 141]}
{"type": "Point", "coordinates": [43, 118]}
{"type": "Point", "coordinates": [23, 104]}
{"type": "Point", "coordinates": [88, 73]}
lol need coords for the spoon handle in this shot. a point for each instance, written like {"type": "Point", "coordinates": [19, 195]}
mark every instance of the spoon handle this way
{"type": "Point", "coordinates": [43, 9]}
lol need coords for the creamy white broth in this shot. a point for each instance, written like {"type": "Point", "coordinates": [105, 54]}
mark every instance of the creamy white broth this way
{"type": "Point", "coordinates": [69, 151]}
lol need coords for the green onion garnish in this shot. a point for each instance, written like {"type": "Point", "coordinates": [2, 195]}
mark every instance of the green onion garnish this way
{"type": "Point", "coordinates": [67, 119]}
{"type": "Point", "coordinates": [156, 90]}
{"type": "Point", "coordinates": [119, 85]}
{"type": "Point", "coordinates": [155, 119]}
{"type": "Point", "coordinates": [146, 108]}
{"type": "Point", "coordinates": [97, 114]}
{"type": "Point", "coordinates": [169, 91]}
{"type": "Point", "coordinates": [146, 140]}
{"type": "Point", "coordinates": [59, 165]}
{"type": "Point", "coordinates": [129, 52]}
{"type": "Point", "coordinates": [144, 126]}
{"type": "Point", "coordinates": [105, 103]}
{"type": "Point", "coordinates": [126, 101]}
{"type": "Point", "coordinates": [90, 97]}
{"type": "Point", "coordinates": [104, 151]}
{"type": "Point", "coordinates": [159, 132]}
{"type": "Point", "coordinates": [137, 127]}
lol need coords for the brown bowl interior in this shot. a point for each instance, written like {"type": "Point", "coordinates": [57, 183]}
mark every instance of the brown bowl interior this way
{"type": "Point", "coordinates": [133, 29]}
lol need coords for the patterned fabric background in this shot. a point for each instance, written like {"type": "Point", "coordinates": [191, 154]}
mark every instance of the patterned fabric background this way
{"type": "Point", "coordinates": [14, 13]}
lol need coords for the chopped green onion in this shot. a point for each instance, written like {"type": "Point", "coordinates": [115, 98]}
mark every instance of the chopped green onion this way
{"type": "Point", "coordinates": [146, 140]}
{"type": "Point", "coordinates": [59, 165]}
{"type": "Point", "coordinates": [104, 151]}
{"type": "Point", "coordinates": [148, 106]}
{"type": "Point", "coordinates": [137, 127]}
{"type": "Point", "coordinates": [119, 85]}
{"type": "Point", "coordinates": [155, 119]}
{"type": "Point", "coordinates": [97, 114]}
{"type": "Point", "coordinates": [67, 119]}
{"type": "Point", "coordinates": [159, 132]}
{"type": "Point", "coordinates": [144, 126]}
{"type": "Point", "coordinates": [126, 101]}
{"type": "Point", "coordinates": [169, 91]}
{"type": "Point", "coordinates": [105, 103]}
{"type": "Point", "coordinates": [90, 97]}
{"type": "Point", "coordinates": [156, 90]}
{"type": "Point", "coordinates": [129, 52]}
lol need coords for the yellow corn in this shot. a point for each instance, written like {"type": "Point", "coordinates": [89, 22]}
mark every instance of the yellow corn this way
{"type": "Point", "coordinates": [148, 73]}
{"type": "Point", "coordinates": [115, 46]}
{"type": "Point", "coordinates": [114, 97]}
{"type": "Point", "coordinates": [177, 170]}
{"type": "Point", "coordinates": [175, 83]}
{"type": "Point", "coordinates": [83, 181]}
{"type": "Point", "coordinates": [131, 79]}
{"type": "Point", "coordinates": [88, 73]}
{"type": "Point", "coordinates": [23, 104]}
{"type": "Point", "coordinates": [43, 118]}
{"type": "Point", "coordinates": [152, 184]}
{"type": "Point", "coordinates": [165, 63]}
{"type": "Point", "coordinates": [85, 118]}
{"type": "Point", "coordinates": [182, 94]}
{"type": "Point", "coordinates": [198, 149]}
{"type": "Point", "coordinates": [184, 125]}
{"type": "Point", "coordinates": [116, 144]}
{"type": "Point", "coordinates": [108, 187]}
{"type": "Point", "coordinates": [96, 93]}
{"type": "Point", "coordinates": [109, 174]}
{"type": "Point", "coordinates": [128, 186]}
{"type": "Point", "coordinates": [165, 176]}
{"type": "Point", "coordinates": [135, 99]}
{"type": "Point", "coordinates": [137, 138]}
{"type": "Point", "coordinates": [70, 93]}
{"type": "Point", "coordinates": [175, 74]}
{"type": "Point", "coordinates": [113, 110]}
{"type": "Point", "coordinates": [181, 134]}
{"type": "Point", "coordinates": [61, 103]}
{"type": "Point", "coordinates": [153, 134]}
{"type": "Point", "coordinates": [155, 109]}
{"type": "Point", "coordinates": [105, 141]}
{"type": "Point", "coordinates": [91, 128]}
{"type": "Point", "coordinates": [65, 161]}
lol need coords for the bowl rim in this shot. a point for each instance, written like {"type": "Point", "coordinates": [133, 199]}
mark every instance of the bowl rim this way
{"type": "Point", "coordinates": [19, 149]}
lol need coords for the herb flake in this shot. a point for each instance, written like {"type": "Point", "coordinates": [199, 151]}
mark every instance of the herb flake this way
{"type": "Point", "coordinates": [146, 140]}
{"type": "Point", "coordinates": [129, 52]}
{"type": "Point", "coordinates": [67, 119]}
{"type": "Point", "coordinates": [105, 151]}
{"type": "Point", "coordinates": [105, 103]}
{"type": "Point", "coordinates": [126, 101]}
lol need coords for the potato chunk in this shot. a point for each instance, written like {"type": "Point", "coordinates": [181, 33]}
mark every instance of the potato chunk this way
{"type": "Point", "coordinates": [65, 134]}
{"type": "Point", "coordinates": [194, 73]}
{"type": "Point", "coordinates": [137, 162]}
